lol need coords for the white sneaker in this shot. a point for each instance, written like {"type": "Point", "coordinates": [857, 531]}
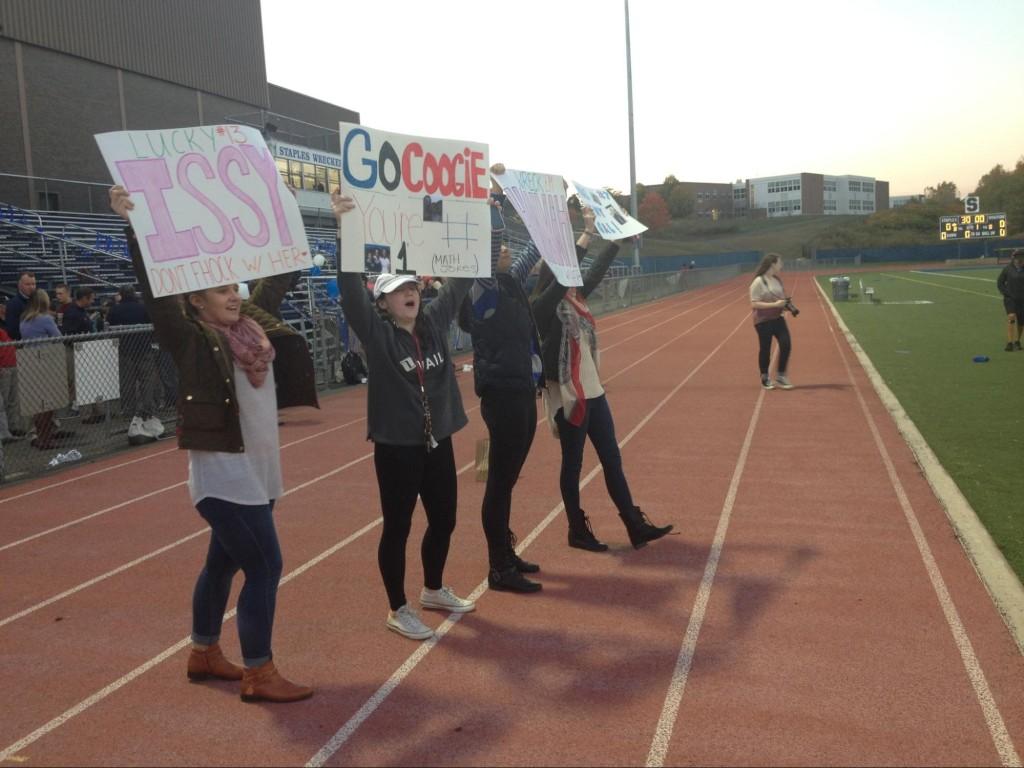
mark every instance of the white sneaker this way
{"type": "Point", "coordinates": [137, 434]}
{"type": "Point", "coordinates": [444, 599]}
{"type": "Point", "coordinates": [405, 622]}
{"type": "Point", "coordinates": [153, 427]}
{"type": "Point", "coordinates": [782, 382]}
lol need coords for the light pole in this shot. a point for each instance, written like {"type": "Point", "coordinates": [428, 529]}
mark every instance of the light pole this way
{"type": "Point", "coordinates": [632, 148]}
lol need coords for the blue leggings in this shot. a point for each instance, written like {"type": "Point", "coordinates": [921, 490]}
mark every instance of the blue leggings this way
{"type": "Point", "coordinates": [243, 539]}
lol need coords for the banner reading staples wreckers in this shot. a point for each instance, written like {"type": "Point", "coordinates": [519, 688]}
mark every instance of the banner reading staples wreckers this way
{"type": "Point", "coordinates": [421, 204]}
{"type": "Point", "coordinates": [539, 198]}
{"type": "Point", "coordinates": [210, 206]}
{"type": "Point", "coordinates": [612, 221]}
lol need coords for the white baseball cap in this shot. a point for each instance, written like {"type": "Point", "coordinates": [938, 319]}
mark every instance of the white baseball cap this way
{"type": "Point", "coordinates": [386, 283]}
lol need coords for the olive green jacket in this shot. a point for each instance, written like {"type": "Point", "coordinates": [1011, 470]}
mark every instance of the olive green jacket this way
{"type": "Point", "coordinates": [207, 405]}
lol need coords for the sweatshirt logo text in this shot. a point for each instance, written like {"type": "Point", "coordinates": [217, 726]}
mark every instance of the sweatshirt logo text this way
{"type": "Point", "coordinates": [433, 361]}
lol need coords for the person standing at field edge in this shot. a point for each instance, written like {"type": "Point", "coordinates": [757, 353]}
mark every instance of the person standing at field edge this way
{"type": "Point", "coordinates": [1011, 284]}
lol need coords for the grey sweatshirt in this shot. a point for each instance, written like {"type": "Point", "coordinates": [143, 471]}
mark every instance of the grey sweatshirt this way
{"type": "Point", "coordinates": [394, 407]}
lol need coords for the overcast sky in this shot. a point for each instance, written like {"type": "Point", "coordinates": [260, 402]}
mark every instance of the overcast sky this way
{"type": "Point", "coordinates": [911, 91]}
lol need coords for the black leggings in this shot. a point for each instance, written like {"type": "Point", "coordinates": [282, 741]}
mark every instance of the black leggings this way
{"type": "Point", "coordinates": [511, 418]}
{"type": "Point", "coordinates": [765, 331]}
{"type": "Point", "coordinates": [403, 473]}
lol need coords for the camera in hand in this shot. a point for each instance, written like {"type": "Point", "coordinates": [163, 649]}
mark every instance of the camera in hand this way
{"type": "Point", "coordinates": [791, 307]}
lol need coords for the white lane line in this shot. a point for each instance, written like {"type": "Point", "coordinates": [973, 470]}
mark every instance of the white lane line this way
{"type": "Point", "coordinates": [341, 737]}
{"type": "Point", "coordinates": [681, 673]}
{"type": "Point", "coordinates": [993, 719]}
{"type": "Point", "coordinates": [103, 693]}
{"type": "Point", "coordinates": [947, 274]}
{"type": "Point", "coordinates": [143, 497]}
{"type": "Point", "coordinates": [944, 287]}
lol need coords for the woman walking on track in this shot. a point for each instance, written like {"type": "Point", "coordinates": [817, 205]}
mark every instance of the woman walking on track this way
{"type": "Point", "coordinates": [1011, 285]}
{"type": "Point", "coordinates": [507, 375]}
{"type": "Point", "coordinates": [226, 351]}
{"type": "Point", "coordinates": [768, 301]}
{"type": "Point", "coordinates": [575, 399]}
{"type": "Point", "coordinates": [413, 408]}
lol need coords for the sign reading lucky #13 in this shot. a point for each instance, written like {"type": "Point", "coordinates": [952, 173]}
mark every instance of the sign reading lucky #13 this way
{"type": "Point", "coordinates": [421, 204]}
{"type": "Point", "coordinates": [210, 206]}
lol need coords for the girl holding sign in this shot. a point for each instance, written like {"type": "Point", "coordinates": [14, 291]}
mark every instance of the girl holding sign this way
{"type": "Point", "coordinates": [508, 375]}
{"type": "Point", "coordinates": [413, 409]}
{"type": "Point", "coordinates": [575, 399]}
{"type": "Point", "coordinates": [226, 352]}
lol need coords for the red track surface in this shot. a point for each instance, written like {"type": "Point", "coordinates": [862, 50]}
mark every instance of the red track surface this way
{"type": "Point", "coordinates": [796, 620]}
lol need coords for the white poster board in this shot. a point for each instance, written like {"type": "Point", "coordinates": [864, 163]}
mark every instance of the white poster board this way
{"type": "Point", "coordinates": [210, 206]}
{"type": "Point", "coordinates": [96, 372]}
{"type": "Point", "coordinates": [612, 220]}
{"type": "Point", "coordinates": [42, 378]}
{"type": "Point", "coordinates": [539, 199]}
{"type": "Point", "coordinates": [421, 204]}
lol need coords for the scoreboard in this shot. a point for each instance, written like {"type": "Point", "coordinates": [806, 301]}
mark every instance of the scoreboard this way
{"type": "Point", "coordinates": [969, 225]}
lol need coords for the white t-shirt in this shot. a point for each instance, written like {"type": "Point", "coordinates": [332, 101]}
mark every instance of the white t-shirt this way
{"type": "Point", "coordinates": [766, 289]}
{"type": "Point", "coordinates": [254, 476]}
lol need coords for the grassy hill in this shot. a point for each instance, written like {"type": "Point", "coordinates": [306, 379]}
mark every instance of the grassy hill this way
{"type": "Point", "coordinates": [786, 235]}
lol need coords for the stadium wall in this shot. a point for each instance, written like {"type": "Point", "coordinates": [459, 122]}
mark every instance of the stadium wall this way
{"type": "Point", "coordinates": [964, 249]}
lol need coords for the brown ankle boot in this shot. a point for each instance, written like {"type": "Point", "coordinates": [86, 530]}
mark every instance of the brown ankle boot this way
{"type": "Point", "coordinates": [211, 663]}
{"type": "Point", "coordinates": [265, 683]}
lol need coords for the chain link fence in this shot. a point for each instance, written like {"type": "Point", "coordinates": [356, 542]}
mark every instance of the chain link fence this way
{"type": "Point", "coordinates": [74, 398]}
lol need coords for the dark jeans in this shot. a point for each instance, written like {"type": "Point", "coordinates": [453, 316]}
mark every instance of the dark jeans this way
{"type": "Point", "coordinates": [403, 473]}
{"type": "Point", "coordinates": [598, 426]}
{"type": "Point", "coordinates": [243, 538]}
{"type": "Point", "coordinates": [511, 419]}
{"type": "Point", "coordinates": [765, 332]}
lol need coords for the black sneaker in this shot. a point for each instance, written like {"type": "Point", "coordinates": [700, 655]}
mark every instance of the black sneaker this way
{"type": "Point", "coordinates": [766, 383]}
{"type": "Point", "coordinates": [582, 537]}
{"type": "Point", "coordinates": [511, 580]}
{"type": "Point", "coordinates": [523, 566]}
{"type": "Point", "coordinates": [1016, 345]}
{"type": "Point", "coordinates": [1008, 347]}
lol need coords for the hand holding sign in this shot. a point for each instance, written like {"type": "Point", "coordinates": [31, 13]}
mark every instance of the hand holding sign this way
{"type": "Point", "coordinates": [120, 201]}
{"type": "Point", "coordinates": [612, 221]}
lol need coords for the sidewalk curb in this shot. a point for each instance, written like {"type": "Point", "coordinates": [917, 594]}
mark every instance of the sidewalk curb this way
{"type": "Point", "coordinates": [999, 579]}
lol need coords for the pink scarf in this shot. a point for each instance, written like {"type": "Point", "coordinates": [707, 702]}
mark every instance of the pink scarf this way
{"type": "Point", "coordinates": [250, 348]}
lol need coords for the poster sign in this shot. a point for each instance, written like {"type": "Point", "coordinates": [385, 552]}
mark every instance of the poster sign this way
{"type": "Point", "coordinates": [421, 204]}
{"type": "Point", "coordinates": [210, 206]}
{"type": "Point", "coordinates": [612, 221]}
{"type": "Point", "coordinates": [539, 199]}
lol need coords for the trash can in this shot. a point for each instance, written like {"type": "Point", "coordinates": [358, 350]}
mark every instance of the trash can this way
{"type": "Point", "coordinates": [840, 288]}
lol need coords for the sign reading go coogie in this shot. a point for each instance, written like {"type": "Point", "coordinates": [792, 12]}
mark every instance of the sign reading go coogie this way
{"type": "Point", "coordinates": [421, 203]}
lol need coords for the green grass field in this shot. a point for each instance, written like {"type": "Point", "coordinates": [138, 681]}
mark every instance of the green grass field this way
{"type": "Point", "coordinates": [971, 414]}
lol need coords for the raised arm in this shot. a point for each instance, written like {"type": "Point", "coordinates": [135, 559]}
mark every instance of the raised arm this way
{"type": "Point", "coordinates": [598, 267]}
{"type": "Point", "coordinates": [444, 308]}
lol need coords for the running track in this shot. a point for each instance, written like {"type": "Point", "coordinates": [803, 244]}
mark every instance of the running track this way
{"type": "Point", "coordinates": [815, 608]}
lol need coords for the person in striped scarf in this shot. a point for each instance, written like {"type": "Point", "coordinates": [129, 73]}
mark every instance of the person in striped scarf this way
{"type": "Point", "coordinates": [576, 405]}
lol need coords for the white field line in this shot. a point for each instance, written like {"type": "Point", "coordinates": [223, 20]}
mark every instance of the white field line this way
{"type": "Point", "coordinates": [138, 561]}
{"type": "Point", "coordinates": [947, 274]}
{"type": "Point", "coordinates": [341, 737]}
{"type": "Point", "coordinates": [122, 504]}
{"type": "Point", "coordinates": [681, 673]}
{"type": "Point", "coordinates": [993, 719]}
{"type": "Point", "coordinates": [944, 287]}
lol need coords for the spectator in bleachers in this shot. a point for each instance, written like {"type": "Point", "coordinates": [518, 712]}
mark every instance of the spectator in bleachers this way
{"type": "Point", "coordinates": [63, 294]}
{"type": "Point", "coordinates": [9, 416]}
{"type": "Point", "coordinates": [38, 323]}
{"type": "Point", "coordinates": [16, 304]}
{"type": "Point", "coordinates": [76, 314]}
{"type": "Point", "coordinates": [140, 383]}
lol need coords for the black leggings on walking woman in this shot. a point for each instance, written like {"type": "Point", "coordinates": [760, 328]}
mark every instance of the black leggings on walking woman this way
{"type": "Point", "coordinates": [765, 331]}
{"type": "Point", "coordinates": [403, 473]}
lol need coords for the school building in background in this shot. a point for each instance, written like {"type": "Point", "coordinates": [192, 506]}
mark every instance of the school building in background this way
{"type": "Point", "coordinates": [73, 69]}
{"type": "Point", "coordinates": [801, 194]}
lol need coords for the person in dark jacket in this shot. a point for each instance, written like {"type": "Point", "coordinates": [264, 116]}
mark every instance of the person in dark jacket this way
{"type": "Point", "coordinates": [508, 376]}
{"type": "Point", "coordinates": [413, 409]}
{"type": "Point", "coordinates": [225, 350]}
{"type": "Point", "coordinates": [1011, 285]}
{"type": "Point", "coordinates": [76, 313]}
{"type": "Point", "coordinates": [17, 303]}
{"type": "Point", "coordinates": [575, 399]}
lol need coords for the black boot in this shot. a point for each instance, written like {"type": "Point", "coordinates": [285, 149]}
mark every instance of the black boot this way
{"type": "Point", "coordinates": [523, 566]}
{"type": "Point", "coordinates": [640, 528]}
{"type": "Point", "coordinates": [581, 535]}
{"type": "Point", "coordinates": [509, 579]}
